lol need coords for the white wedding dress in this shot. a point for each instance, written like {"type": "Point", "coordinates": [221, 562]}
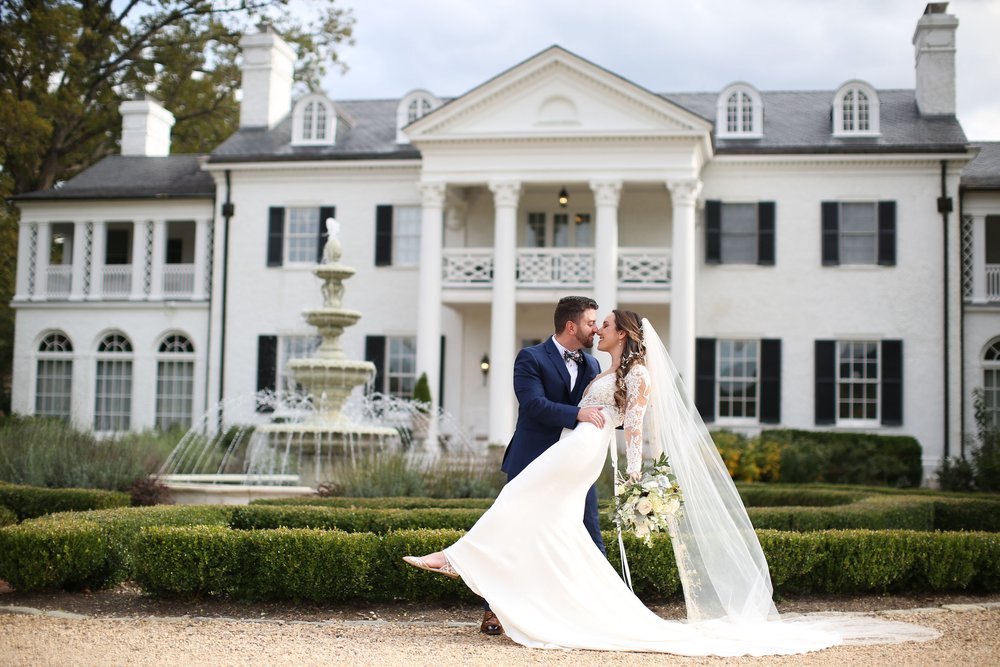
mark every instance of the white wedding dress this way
{"type": "Point", "coordinates": [551, 587]}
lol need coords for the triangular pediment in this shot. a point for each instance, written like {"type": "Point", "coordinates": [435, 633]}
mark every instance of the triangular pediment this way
{"type": "Point", "coordinates": [556, 93]}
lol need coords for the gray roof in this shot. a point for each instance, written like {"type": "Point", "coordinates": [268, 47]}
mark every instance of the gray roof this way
{"type": "Point", "coordinates": [801, 122]}
{"type": "Point", "coordinates": [794, 122]}
{"type": "Point", "coordinates": [366, 130]}
{"type": "Point", "coordinates": [134, 177]}
{"type": "Point", "coordinates": [983, 173]}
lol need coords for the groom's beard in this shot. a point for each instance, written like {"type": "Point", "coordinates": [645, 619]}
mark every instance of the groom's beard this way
{"type": "Point", "coordinates": [586, 341]}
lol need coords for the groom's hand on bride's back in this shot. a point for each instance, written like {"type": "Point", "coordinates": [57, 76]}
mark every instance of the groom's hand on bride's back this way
{"type": "Point", "coordinates": [591, 415]}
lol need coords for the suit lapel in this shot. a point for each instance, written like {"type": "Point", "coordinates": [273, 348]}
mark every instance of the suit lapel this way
{"type": "Point", "coordinates": [584, 377]}
{"type": "Point", "coordinates": [558, 363]}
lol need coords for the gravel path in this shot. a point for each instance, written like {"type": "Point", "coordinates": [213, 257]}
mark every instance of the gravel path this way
{"type": "Point", "coordinates": [32, 637]}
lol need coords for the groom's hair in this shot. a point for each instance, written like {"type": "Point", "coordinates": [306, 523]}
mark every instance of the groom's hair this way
{"type": "Point", "coordinates": [570, 308]}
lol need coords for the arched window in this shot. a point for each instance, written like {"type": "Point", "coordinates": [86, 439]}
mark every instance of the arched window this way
{"type": "Point", "coordinates": [313, 121]}
{"type": "Point", "coordinates": [174, 382]}
{"type": "Point", "coordinates": [740, 113]}
{"type": "Point", "coordinates": [54, 379]}
{"type": "Point", "coordinates": [856, 110]}
{"type": "Point", "coordinates": [113, 393]}
{"type": "Point", "coordinates": [991, 382]}
{"type": "Point", "coordinates": [415, 105]}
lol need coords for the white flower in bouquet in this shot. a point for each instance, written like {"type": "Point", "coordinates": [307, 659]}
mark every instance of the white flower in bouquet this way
{"type": "Point", "coordinates": [644, 506]}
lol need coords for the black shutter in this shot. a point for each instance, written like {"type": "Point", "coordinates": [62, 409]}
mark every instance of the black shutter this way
{"type": "Point", "coordinates": [887, 233]}
{"type": "Point", "coordinates": [267, 367]}
{"type": "Point", "coordinates": [713, 232]}
{"type": "Point", "coordinates": [324, 213]}
{"type": "Point", "coordinates": [826, 382]}
{"type": "Point", "coordinates": [704, 374]}
{"type": "Point", "coordinates": [375, 353]}
{"type": "Point", "coordinates": [831, 233]}
{"type": "Point", "coordinates": [892, 383]}
{"type": "Point", "coordinates": [441, 376]}
{"type": "Point", "coordinates": [770, 381]}
{"type": "Point", "coordinates": [275, 236]}
{"type": "Point", "coordinates": [765, 233]}
{"type": "Point", "coordinates": [383, 235]}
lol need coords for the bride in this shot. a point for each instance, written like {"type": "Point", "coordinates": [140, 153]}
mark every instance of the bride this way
{"type": "Point", "coordinates": [533, 559]}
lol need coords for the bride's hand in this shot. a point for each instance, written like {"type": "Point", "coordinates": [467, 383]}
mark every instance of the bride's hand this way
{"type": "Point", "coordinates": [634, 476]}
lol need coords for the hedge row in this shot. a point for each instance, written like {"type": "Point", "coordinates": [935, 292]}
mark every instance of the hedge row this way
{"type": "Point", "coordinates": [29, 502]}
{"type": "Point", "coordinates": [31, 553]}
{"type": "Point", "coordinates": [332, 565]}
{"type": "Point", "coordinates": [7, 517]}
{"type": "Point", "coordinates": [402, 502]}
{"type": "Point", "coordinates": [352, 520]}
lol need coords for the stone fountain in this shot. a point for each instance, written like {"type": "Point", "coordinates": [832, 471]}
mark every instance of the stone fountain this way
{"type": "Point", "coordinates": [328, 378]}
{"type": "Point", "coordinates": [288, 458]}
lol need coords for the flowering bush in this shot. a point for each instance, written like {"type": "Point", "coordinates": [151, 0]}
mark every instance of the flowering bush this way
{"type": "Point", "coordinates": [650, 504]}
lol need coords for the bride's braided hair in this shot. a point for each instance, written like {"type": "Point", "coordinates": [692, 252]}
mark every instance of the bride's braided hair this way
{"type": "Point", "coordinates": [633, 353]}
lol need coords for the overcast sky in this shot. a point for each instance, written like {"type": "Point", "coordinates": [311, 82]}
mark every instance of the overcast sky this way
{"type": "Point", "coordinates": [451, 46]}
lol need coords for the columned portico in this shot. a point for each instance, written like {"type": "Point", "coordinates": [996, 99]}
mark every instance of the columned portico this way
{"type": "Point", "coordinates": [504, 314]}
{"type": "Point", "coordinates": [607, 194]}
{"type": "Point", "coordinates": [684, 195]}
{"type": "Point", "coordinates": [429, 295]}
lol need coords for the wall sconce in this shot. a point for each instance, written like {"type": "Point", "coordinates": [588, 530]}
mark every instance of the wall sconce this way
{"type": "Point", "coordinates": [484, 366]}
{"type": "Point", "coordinates": [58, 239]}
{"type": "Point", "coordinates": [563, 198]}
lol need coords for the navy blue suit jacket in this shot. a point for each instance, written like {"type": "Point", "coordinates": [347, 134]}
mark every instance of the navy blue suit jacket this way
{"type": "Point", "coordinates": [546, 404]}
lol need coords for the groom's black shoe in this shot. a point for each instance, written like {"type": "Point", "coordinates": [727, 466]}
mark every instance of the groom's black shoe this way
{"type": "Point", "coordinates": [491, 624]}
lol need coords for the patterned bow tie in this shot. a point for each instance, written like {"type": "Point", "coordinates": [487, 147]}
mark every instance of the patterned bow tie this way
{"type": "Point", "coordinates": [576, 357]}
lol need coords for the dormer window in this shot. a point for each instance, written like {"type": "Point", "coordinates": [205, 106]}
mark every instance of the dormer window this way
{"type": "Point", "coordinates": [740, 113]}
{"type": "Point", "coordinates": [314, 121]}
{"type": "Point", "coordinates": [856, 110]}
{"type": "Point", "coordinates": [415, 105]}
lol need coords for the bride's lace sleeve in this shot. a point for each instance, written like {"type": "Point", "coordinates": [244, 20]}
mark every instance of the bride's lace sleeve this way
{"type": "Point", "coordinates": [636, 400]}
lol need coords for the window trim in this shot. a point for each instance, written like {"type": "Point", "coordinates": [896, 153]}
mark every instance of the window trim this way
{"type": "Point", "coordinates": [423, 98]}
{"type": "Point", "coordinates": [287, 235]}
{"type": "Point", "coordinates": [396, 259]}
{"type": "Point", "coordinates": [306, 136]}
{"type": "Point", "coordinates": [744, 93]}
{"type": "Point", "coordinates": [388, 374]}
{"type": "Point", "coordinates": [125, 357]}
{"type": "Point", "coordinates": [850, 422]}
{"type": "Point", "coordinates": [177, 357]}
{"type": "Point", "coordinates": [852, 88]}
{"type": "Point", "coordinates": [730, 420]}
{"type": "Point", "coordinates": [41, 356]}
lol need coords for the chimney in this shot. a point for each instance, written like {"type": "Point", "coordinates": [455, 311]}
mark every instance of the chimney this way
{"type": "Point", "coordinates": [145, 127]}
{"type": "Point", "coordinates": [268, 64]}
{"type": "Point", "coordinates": [934, 41]}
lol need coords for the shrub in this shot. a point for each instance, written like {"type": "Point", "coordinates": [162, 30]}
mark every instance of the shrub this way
{"type": "Point", "coordinates": [29, 502]}
{"type": "Point", "coordinates": [147, 491]}
{"type": "Point", "coordinates": [845, 458]}
{"type": "Point", "coordinates": [394, 580]}
{"type": "Point", "coordinates": [49, 452]}
{"type": "Point", "coordinates": [403, 503]}
{"type": "Point", "coordinates": [734, 448]}
{"type": "Point", "coordinates": [981, 472]}
{"type": "Point", "coordinates": [7, 517]}
{"type": "Point", "coordinates": [352, 520]}
{"type": "Point", "coordinates": [397, 475]}
{"type": "Point", "coordinates": [55, 555]}
{"type": "Point", "coordinates": [875, 513]}
{"type": "Point", "coordinates": [966, 514]}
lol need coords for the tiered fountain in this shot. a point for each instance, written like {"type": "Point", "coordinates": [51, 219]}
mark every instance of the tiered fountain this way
{"type": "Point", "coordinates": [291, 457]}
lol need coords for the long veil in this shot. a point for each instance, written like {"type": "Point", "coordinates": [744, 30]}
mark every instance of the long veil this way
{"type": "Point", "coordinates": [721, 564]}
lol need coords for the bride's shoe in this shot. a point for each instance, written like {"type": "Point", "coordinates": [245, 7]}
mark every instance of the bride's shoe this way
{"type": "Point", "coordinates": [419, 563]}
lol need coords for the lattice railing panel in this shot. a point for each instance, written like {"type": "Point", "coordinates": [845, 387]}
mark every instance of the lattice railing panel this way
{"type": "Point", "coordinates": [462, 267]}
{"type": "Point", "coordinates": [967, 261]}
{"type": "Point", "coordinates": [642, 268]}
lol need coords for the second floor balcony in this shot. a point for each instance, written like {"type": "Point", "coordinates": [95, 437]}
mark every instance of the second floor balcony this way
{"type": "Point", "coordinates": [638, 268]}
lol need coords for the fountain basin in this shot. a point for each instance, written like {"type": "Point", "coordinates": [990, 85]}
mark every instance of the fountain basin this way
{"type": "Point", "coordinates": [232, 489]}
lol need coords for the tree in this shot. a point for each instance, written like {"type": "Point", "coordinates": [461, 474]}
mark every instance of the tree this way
{"type": "Point", "coordinates": [66, 65]}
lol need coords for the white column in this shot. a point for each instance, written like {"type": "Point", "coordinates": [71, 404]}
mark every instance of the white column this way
{"type": "Point", "coordinates": [159, 260]}
{"type": "Point", "coordinates": [42, 262]}
{"type": "Point", "coordinates": [503, 318]}
{"type": "Point", "coordinates": [97, 257]}
{"type": "Point", "coordinates": [79, 258]}
{"type": "Point", "coordinates": [979, 259]}
{"type": "Point", "coordinates": [138, 261]}
{"type": "Point", "coordinates": [429, 297]}
{"type": "Point", "coordinates": [684, 194]}
{"type": "Point", "coordinates": [607, 194]}
{"type": "Point", "coordinates": [23, 260]}
{"type": "Point", "coordinates": [201, 228]}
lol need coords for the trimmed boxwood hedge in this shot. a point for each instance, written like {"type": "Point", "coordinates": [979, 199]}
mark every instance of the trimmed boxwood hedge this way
{"type": "Point", "coordinates": [402, 502]}
{"type": "Point", "coordinates": [7, 517]}
{"type": "Point", "coordinates": [352, 520]}
{"type": "Point", "coordinates": [29, 502]}
{"type": "Point", "coordinates": [65, 554]}
{"type": "Point", "coordinates": [289, 563]}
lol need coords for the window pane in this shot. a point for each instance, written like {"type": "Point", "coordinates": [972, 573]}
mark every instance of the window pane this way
{"type": "Point", "coordinates": [401, 365]}
{"type": "Point", "coordinates": [406, 235]}
{"type": "Point", "coordinates": [560, 233]}
{"type": "Point", "coordinates": [301, 237]}
{"type": "Point", "coordinates": [857, 217]}
{"type": "Point", "coordinates": [737, 378]}
{"type": "Point", "coordinates": [857, 381]}
{"type": "Point", "coordinates": [584, 230]}
{"type": "Point", "coordinates": [535, 233]}
{"type": "Point", "coordinates": [739, 234]}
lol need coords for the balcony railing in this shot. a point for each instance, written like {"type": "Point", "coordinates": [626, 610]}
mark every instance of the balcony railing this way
{"type": "Point", "coordinates": [58, 281]}
{"type": "Point", "coordinates": [992, 282]}
{"type": "Point", "coordinates": [116, 280]}
{"type": "Point", "coordinates": [556, 267]}
{"type": "Point", "coordinates": [178, 280]}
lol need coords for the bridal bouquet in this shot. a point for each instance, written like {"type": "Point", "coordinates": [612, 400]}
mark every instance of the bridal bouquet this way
{"type": "Point", "coordinates": [646, 506]}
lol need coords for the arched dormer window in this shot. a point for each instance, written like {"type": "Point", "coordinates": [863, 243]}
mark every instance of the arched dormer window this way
{"type": "Point", "coordinates": [856, 110]}
{"type": "Point", "coordinates": [739, 113]}
{"type": "Point", "coordinates": [314, 121]}
{"type": "Point", "coordinates": [415, 105]}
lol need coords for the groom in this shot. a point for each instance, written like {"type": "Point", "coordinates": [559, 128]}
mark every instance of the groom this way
{"type": "Point", "coordinates": [549, 379]}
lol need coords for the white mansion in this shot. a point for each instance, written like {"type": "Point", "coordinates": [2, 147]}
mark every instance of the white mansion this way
{"type": "Point", "coordinates": [815, 259]}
